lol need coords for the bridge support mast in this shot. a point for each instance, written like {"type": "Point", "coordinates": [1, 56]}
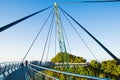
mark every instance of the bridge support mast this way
{"type": "Point", "coordinates": [59, 29]}
{"type": "Point", "coordinates": [61, 40]}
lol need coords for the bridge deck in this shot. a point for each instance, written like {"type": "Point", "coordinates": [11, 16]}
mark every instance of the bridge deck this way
{"type": "Point", "coordinates": [18, 74]}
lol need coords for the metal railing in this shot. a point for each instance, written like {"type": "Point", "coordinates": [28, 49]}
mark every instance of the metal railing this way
{"type": "Point", "coordinates": [36, 68]}
{"type": "Point", "coordinates": [8, 67]}
{"type": "Point", "coordinates": [35, 74]}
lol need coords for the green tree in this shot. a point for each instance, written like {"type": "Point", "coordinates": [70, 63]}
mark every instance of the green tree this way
{"type": "Point", "coordinates": [106, 69]}
{"type": "Point", "coordinates": [61, 57]}
{"type": "Point", "coordinates": [96, 65]}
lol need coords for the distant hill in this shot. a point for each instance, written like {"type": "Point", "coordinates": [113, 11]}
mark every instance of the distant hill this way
{"type": "Point", "coordinates": [61, 57]}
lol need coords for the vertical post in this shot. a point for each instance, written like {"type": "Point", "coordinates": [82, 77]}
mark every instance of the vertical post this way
{"type": "Point", "coordinates": [43, 77]}
{"type": "Point", "coordinates": [59, 29]}
{"type": "Point", "coordinates": [61, 40]}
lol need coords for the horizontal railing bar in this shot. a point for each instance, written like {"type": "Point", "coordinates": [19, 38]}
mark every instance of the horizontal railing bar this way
{"type": "Point", "coordinates": [70, 74]}
{"type": "Point", "coordinates": [42, 73]}
{"type": "Point", "coordinates": [10, 62]}
{"type": "Point", "coordinates": [73, 63]}
{"type": "Point", "coordinates": [8, 67]}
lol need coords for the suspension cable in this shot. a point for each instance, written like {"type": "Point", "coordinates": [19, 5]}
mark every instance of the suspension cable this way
{"type": "Point", "coordinates": [89, 1]}
{"type": "Point", "coordinates": [108, 51]}
{"type": "Point", "coordinates": [37, 36]}
{"type": "Point", "coordinates": [47, 39]}
{"type": "Point", "coordinates": [67, 55]}
{"type": "Point", "coordinates": [100, 1]}
{"type": "Point", "coordinates": [55, 39]}
{"type": "Point", "coordinates": [67, 39]}
{"type": "Point", "coordinates": [80, 36]}
{"type": "Point", "coordinates": [22, 19]}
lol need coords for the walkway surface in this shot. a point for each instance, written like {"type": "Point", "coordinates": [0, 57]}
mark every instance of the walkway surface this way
{"type": "Point", "coordinates": [18, 74]}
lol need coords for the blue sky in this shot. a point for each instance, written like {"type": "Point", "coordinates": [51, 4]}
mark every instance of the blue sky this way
{"type": "Point", "coordinates": [101, 19]}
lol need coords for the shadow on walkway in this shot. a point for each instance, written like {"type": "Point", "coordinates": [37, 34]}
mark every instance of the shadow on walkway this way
{"type": "Point", "coordinates": [18, 74]}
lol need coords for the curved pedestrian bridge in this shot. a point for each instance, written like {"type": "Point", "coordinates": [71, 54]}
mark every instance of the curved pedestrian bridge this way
{"type": "Point", "coordinates": [14, 70]}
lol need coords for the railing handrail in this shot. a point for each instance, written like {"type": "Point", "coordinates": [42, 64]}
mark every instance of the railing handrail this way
{"type": "Point", "coordinates": [2, 63]}
{"type": "Point", "coordinates": [7, 67]}
{"type": "Point", "coordinates": [72, 63]}
{"type": "Point", "coordinates": [10, 62]}
{"type": "Point", "coordinates": [70, 74]}
{"type": "Point", "coordinates": [42, 73]}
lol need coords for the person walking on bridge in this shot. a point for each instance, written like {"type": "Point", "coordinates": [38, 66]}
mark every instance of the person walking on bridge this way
{"type": "Point", "coordinates": [26, 63]}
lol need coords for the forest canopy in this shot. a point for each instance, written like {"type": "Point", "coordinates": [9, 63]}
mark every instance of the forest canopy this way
{"type": "Point", "coordinates": [61, 57]}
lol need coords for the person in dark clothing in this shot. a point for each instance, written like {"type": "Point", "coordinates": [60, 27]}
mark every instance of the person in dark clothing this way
{"type": "Point", "coordinates": [22, 65]}
{"type": "Point", "coordinates": [26, 63]}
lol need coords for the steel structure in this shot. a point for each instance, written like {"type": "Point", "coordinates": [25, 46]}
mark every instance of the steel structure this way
{"type": "Point", "coordinates": [59, 29]}
{"type": "Point", "coordinates": [61, 40]}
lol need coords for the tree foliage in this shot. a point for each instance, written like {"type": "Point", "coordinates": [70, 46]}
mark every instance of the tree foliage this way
{"type": "Point", "coordinates": [106, 69]}
{"type": "Point", "coordinates": [61, 57]}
